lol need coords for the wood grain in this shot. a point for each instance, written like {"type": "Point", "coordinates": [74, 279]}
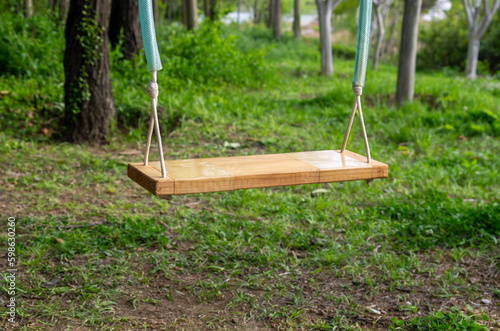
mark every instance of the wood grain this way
{"type": "Point", "coordinates": [254, 171]}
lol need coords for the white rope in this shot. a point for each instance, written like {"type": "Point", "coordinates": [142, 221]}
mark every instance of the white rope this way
{"type": "Point", "coordinates": [152, 89]}
{"type": "Point", "coordinates": [358, 91]}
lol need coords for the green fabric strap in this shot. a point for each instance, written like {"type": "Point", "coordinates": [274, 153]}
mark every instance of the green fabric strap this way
{"type": "Point", "coordinates": [363, 46]}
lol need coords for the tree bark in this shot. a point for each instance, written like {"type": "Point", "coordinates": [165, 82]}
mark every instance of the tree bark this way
{"type": "Point", "coordinates": [380, 32]}
{"type": "Point", "coordinates": [256, 18]}
{"type": "Point", "coordinates": [206, 8]}
{"type": "Point", "coordinates": [88, 95]}
{"type": "Point", "coordinates": [408, 52]}
{"type": "Point", "coordinates": [296, 19]}
{"type": "Point", "coordinates": [390, 43]}
{"type": "Point", "coordinates": [277, 19]}
{"type": "Point", "coordinates": [325, 8]}
{"type": "Point", "coordinates": [238, 13]}
{"type": "Point", "coordinates": [472, 57]}
{"type": "Point", "coordinates": [156, 11]}
{"type": "Point", "coordinates": [63, 10]}
{"type": "Point", "coordinates": [125, 15]}
{"type": "Point", "coordinates": [28, 8]}
{"type": "Point", "coordinates": [477, 26]}
{"type": "Point", "coordinates": [191, 14]}
{"type": "Point", "coordinates": [270, 17]}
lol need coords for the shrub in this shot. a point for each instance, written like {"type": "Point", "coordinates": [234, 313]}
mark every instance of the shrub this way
{"type": "Point", "coordinates": [205, 57]}
{"type": "Point", "coordinates": [444, 44]}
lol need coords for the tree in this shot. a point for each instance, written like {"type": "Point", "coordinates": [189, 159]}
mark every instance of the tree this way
{"type": "Point", "coordinates": [28, 8]}
{"type": "Point", "coordinates": [276, 19]}
{"type": "Point", "coordinates": [381, 7]}
{"type": "Point", "coordinates": [125, 17]}
{"type": "Point", "coordinates": [325, 8]}
{"type": "Point", "coordinates": [476, 28]}
{"type": "Point", "coordinates": [408, 52]}
{"type": "Point", "coordinates": [190, 14]}
{"type": "Point", "coordinates": [296, 19]}
{"type": "Point", "coordinates": [256, 16]}
{"type": "Point", "coordinates": [88, 96]}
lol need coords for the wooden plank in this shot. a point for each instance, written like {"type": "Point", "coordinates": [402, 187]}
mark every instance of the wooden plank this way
{"type": "Point", "coordinates": [254, 171]}
{"type": "Point", "coordinates": [197, 176]}
{"type": "Point", "coordinates": [269, 170]}
{"type": "Point", "coordinates": [150, 178]}
{"type": "Point", "coordinates": [337, 167]}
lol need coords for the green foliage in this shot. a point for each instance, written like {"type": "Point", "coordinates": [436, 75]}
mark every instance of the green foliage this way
{"type": "Point", "coordinates": [30, 47]}
{"type": "Point", "coordinates": [452, 320]}
{"type": "Point", "coordinates": [445, 44]}
{"type": "Point", "coordinates": [343, 52]}
{"type": "Point", "coordinates": [203, 57]}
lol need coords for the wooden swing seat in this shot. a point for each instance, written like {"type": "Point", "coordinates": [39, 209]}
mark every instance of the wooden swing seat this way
{"type": "Point", "coordinates": [254, 171]}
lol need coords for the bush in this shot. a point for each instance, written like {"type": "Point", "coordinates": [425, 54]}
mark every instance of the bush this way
{"type": "Point", "coordinates": [444, 44]}
{"type": "Point", "coordinates": [30, 47]}
{"type": "Point", "coordinates": [205, 57]}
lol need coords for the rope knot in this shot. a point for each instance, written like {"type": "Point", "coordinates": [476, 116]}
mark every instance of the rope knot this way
{"type": "Point", "coordinates": [152, 89]}
{"type": "Point", "coordinates": [358, 90]}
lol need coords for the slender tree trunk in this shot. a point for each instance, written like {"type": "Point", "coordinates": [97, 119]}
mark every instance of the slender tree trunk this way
{"type": "Point", "coordinates": [170, 10]}
{"type": "Point", "coordinates": [238, 13]}
{"type": "Point", "coordinates": [125, 17]}
{"type": "Point", "coordinates": [256, 18]}
{"type": "Point", "coordinates": [380, 35]}
{"type": "Point", "coordinates": [270, 18]}
{"type": "Point", "coordinates": [296, 19]}
{"type": "Point", "coordinates": [88, 96]}
{"type": "Point", "coordinates": [390, 43]}
{"type": "Point", "coordinates": [28, 8]}
{"type": "Point", "coordinates": [156, 11]}
{"type": "Point", "coordinates": [277, 19]}
{"type": "Point", "coordinates": [408, 52]}
{"type": "Point", "coordinates": [213, 10]}
{"type": "Point", "coordinates": [472, 57]}
{"type": "Point", "coordinates": [477, 26]}
{"type": "Point", "coordinates": [325, 8]}
{"type": "Point", "coordinates": [63, 10]}
{"type": "Point", "coordinates": [191, 14]}
{"type": "Point", "coordinates": [206, 8]}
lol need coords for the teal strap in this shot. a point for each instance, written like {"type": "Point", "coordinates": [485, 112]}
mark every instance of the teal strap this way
{"type": "Point", "coordinates": [363, 47]}
{"type": "Point", "coordinates": [149, 35]}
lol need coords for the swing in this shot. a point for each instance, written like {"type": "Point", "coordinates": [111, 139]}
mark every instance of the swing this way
{"type": "Point", "coordinates": [175, 177]}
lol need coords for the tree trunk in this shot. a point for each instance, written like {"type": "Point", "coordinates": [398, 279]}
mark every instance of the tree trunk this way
{"type": "Point", "coordinates": [63, 10]}
{"type": "Point", "coordinates": [277, 19]}
{"type": "Point", "coordinates": [390, 43]}
{"type": "Point", "coordinates": [206, 8]}
{"type": "Point", "coordinates": [408, 52]}
{"type": "Point", "coordinates": [296, 19]}
{"type": "Point", "coordinates": [191, 14]}
{"type": "Point", "coordinates": [472, 57]}
{"type": "Point", "coordinates": [213, 10]}
{"type": "Point", "coordinates": [380, 35]}
{"type": "Point", "coordinates": [256, 18]}
{"type": "Point", "coordinates": [156, 11]}
{"type": "Point", "coordinates": [238, 13]}
{"type": "Point", "coordinates": [125, 15]}
{"type": "Point", "coordinates": [28, 8]}
{"type": "Point", "coordinates": [325, 8]}
{"type": "Point", "coordinates": [170, 10]}
{"type": "Point", "coordinates": [88, 95]}
{"type": "Point", "coordinates": [270, 17]}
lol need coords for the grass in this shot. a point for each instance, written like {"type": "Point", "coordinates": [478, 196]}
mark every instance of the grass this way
{"type": "Point", "coordinates": [417, 251]}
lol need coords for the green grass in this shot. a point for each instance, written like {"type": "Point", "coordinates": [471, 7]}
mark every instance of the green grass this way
{"type": "Point", "coordinates": [420, 248]}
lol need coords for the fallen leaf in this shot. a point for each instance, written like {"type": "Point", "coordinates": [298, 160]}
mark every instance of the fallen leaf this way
{"type": "Point", "coordinates": [59, 241]}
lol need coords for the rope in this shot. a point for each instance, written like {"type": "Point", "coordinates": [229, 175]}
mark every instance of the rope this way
{"type": "Point", "coordinates": [152, 89]}
{"type": "Point", "coordinates": [358, 80]}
